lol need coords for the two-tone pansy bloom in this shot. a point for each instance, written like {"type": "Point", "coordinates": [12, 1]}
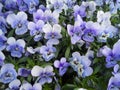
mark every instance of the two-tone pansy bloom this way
{"type": "Point", "coordinates": [28, 86]}
{"type": "Point", "coordinates": [47, 52]}
{"type": "Point", "coordinates": [36, 29]}
{"type": "Point", "coordinates": [52, 33]}
{"type": "Point", "coordinates": [19, 23]}
{"type": "Point", "coordinates": [114, 82]}
{"type": "Point", "coordinates": [7, 73]}
{"type": "Point", "coordinates": [62, 65]}
{"type": "Point", "coordinates": [76, 31]}
{"type": "Point", "coordinates": [16, 47]}
{"type": "Point", "coordinates": [81, 64]}
{"type": "Point", "coordinates": [44, 74]}
{"type": "Point", "coordinates": [112, 55]}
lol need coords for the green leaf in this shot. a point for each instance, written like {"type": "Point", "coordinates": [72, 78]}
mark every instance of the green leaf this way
{"type": "Point", "coordinates": [10, 34]}
{"type": "Point", "coordinates": [69, 87]}
{"type": "Point", "coordinates": [67, 52]}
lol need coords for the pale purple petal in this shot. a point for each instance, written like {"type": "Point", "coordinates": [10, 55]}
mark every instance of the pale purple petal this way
{"type": "Point", "coordinates": [88, 71]}
{"type": "Point", "coordinates": [11, 40]}
{"type": "Point", "coordinates": [37, 86]}
{"type": "Point", "coordinates": [14, 83]}
{"type": "Point", "coordinates": [31, 26]}
{"type": "Point", "coordinates": [56, 63]}
{"type": "Point", "coordinates": [106, 51]}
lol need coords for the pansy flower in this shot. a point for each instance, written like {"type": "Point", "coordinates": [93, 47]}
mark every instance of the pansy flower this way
{"type": "Point", "coordinates": [112, 55]}
{"type": "Point", "coordinates": [16, 47]}
{"type": "Point", "coordinates": [62, 65]}
{"type": "Point", "coordinates": [81, 64]}
{"type": "Point", "coordinates": [44, 74]}
{"type": "Point", "coordinates": [31, 4]}
{"type": "Point", "coordinates": [90, 32]}
{"type": "Point", "coordinates": [28, 86]}
{"type": "Point", "coordinates": [51, 17]}
{"type": "Point", "coordinates": [15, 84]}
{"type": "Point", "coordinates": [19, 23]}
{"type": "Point", "coordinates": [52, 33]}
{"type": "Point", "coordinates": [47, 52]}
{"type": "Point", "coordinates": [114, 82]}
{"type": "Point", "coordinates": [7, 73]}
{"type": "Point", "coordinates": [36, 29]}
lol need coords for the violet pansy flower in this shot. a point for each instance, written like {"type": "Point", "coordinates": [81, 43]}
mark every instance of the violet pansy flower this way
{"type": "Point", "coordinates": [36, 29]}
{"type": "Point", "coordinates": [38, 15]}
{"type": "Point", "coordinates": [7, 73]}
{"type": "Point", "coordinates": [62, 65]}
{"type": "Point", "coordinates": [75, 31]}
{"type": "Point", "coordinates": [16, 47]}
{"type": "Point", "coordinates": [51, 17]}
{"type": "Point", "coordinates": [28, 86]}
{"type": "Point", "coordinates": [90, 32]}
{"type": "Point", "coordinates": [19, 23]}
{"type": "Point", "coordinates": [112, 55]}
{"type": "Point", "coordinates": [15, 84]}
{"type": "Point", "coordinates": [81, 64]}
{"type": "Point", "coordinates": [44, 74]}
{"type": "Point", "coordinates": [31, 4]}
{"type": "Point", "coordinates": [79, 10]}
{"type": "Point", "coordinates": [24, 72]}
{"type": "Point", "coordinates": [47, 52]}
{"type": "Point", "coordinates": [114, 82]}
{"type": "Point", "coordinates": [52, 33]}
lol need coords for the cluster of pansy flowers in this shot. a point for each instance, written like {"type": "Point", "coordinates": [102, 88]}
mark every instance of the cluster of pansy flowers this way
{"type": "Point", "coordinates": [42, 22]}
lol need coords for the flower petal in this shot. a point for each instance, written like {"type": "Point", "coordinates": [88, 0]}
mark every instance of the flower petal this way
{"type": "Point", "coordinates": [36, 71]}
